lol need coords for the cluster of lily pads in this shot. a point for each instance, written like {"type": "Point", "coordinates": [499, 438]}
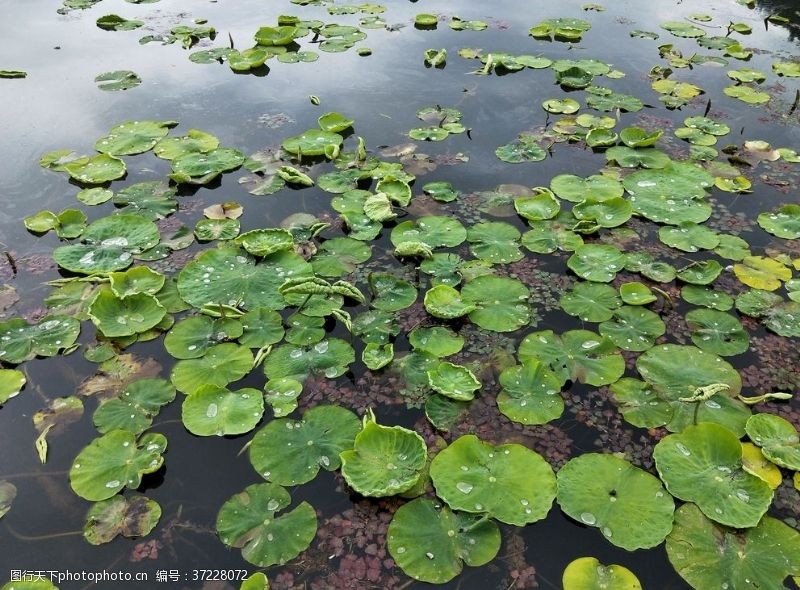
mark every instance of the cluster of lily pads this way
{"type": "Point", "coordinates": [295, 302]}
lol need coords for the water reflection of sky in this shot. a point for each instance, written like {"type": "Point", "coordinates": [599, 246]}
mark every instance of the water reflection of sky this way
{"type": "Point", "coordinates": [58, 106]}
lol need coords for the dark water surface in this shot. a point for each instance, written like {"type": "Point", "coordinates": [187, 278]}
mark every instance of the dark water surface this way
{"type": "Point", "coordinates": [58, 106]}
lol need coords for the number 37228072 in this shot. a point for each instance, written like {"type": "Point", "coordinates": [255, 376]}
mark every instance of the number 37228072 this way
{"type": "Point", "coordinates": [219, 574]}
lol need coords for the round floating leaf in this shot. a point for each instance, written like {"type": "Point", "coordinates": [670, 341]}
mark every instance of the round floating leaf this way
{"type": "Point", "coordinates": [229, 276]}
{"type": "Point", "coordinates": [260, 327]}
{"type": "Point", "coordinates": [784, 222]}
{"type": "Point", "coordinates": [760, 272]}
{"type": "Point", "coordinates": [135, 407]}
{"type": "Point", "coordinates": [521, 151]}
{"type": "Point", "coordinates": [114, 461]}
{"type": "Point", "coordinates": [211, 410]}
{"type": "Point", "coordinates": [437, 340]}
{"type": "Point", "coordinates": [116, 317]}
{"type": "Point", "coordinates": [542, 205]}
{"type": "Point", "coordinates": [11, 383]}
{"type": "Point", "coordinates": [330, 357]}
{"type": "Point", "coordinates": [706, 297]}
{"type": "Point", "coordinates": [443, 301]}
{"type": "Point", "coordinates": [717, 332]}
{"type": "Point", "coordinates": [453, 381]}
{"type": "Point", "coordinates": [500, 302]}
{"type": "Point", "coordinates": [109, 244]}
{"type": "Point", "coordinates": [340, 256]}
{"type": "Point", "coordinates": [747, 94]}
{"type": "Point", "coordinates": [703, 272]}
{"type": "Point", "coordinates": [391, 293]}
{"type": "Point", "coordinates": [636, 137]}
{"type": "Point", "coordinates": [603, 491]}
{"type": "Point", "coordinates": [703, 464]}
{"type": "Point", "coordinates": [754, 461]}
{"type": "Point", "coordinates": [263, 242]}
{"type": "Point", "coordinates": [605, 213]}
{"type": "Point", "coordinates": [508, 482]}
{"type": "Point", "coordinates": [133, 516]}
{"type": "Point", "coordinates": [276, 36]}
{"type": "Point", "coordinates": [429, 541]}
{"type": "Point", "coordinates": [576, 189]}
{"type": "Point", "coordinates": [698, 369]}
{"type": "Point", "coordinates": [97, 169]}
{"type": "Point", "coordinates": [435, 231]}
{"type": "Point", "coordinates": [709, 556]}
{"type": "Point", "coordinates": [777, 438]}
{"type": "Point", "coordinates": [591, 302]}
{"type": "Point", "coordinates": [495, 242]}
{"type": "Point", "coordinates": [191, 338]}
{"type": "Point", "coordinates": [579, 355]}
{"type": "Point", "coordinates": [114, 22]}
{"type": "Point", "coordinates": [634, 158]}
{"type": "Point", "coordinates": [195, 141]}
{"type": "Point", "coordinates": [314, 142]}
{"type": "Point", "coordinates": [689, 237]}
{"type": "Point", "coordinates": [596, 262]}
{"type": "Point", "coordinates": [221, 365]}
{"type": "Point", "coordinates": [587, 573]}
{"type": "Point", "coordinates": [291, 452]}
{"type": "Point", "coordinates": [566, 106]}
{"type": "Point", "coordinates": [384, 460]}
{"type": "Point", "coordinates": [530, 393]}
{"type": "Point", "coordinates": [117, 80]}
{"type": "Point", "coordinates": [635, 293]}
{"type": "Point", "coordinates": [21, 341]}
{"type": "Point", "coordinates": [633, 328]}
{"type": "Point", "coordinates": [200, 168]}
{"type": "Point", "coordinates": [139, 279]}
{"type": "Point", "coordinates": [133, 137]}
{"type": "Point", "coordinates": [247, 521]}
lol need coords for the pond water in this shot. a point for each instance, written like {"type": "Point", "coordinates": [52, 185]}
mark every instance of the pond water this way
{"type": "Point", "coordinates": [59, 106]}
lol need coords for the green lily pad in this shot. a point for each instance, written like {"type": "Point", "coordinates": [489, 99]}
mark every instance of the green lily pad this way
{"type": "Point", "coordinates": [113, 461]}
{"type": "Point", "coordinates": [97, 169]}
{"type": "Point", "coordinates": [195, 141]}
{"type": "Point", "coordinates": [530, 393]}
{"type": "Point", "coordinates": [443, 301]}
{"type": "Point", "coordinates": [453, 381]}
{"type": "Point", "coordinates": [579, 355]}
{"type": "Point", "coordinates": [777, 438]}
{"type": "Point", "coordinates": [384, 460]}
{"type": "Point", "coordinates": [717, 332]}
{"type": "Point", "coordinates": [391, 293]}
{"type": "Point", "coordinates": [542, 205]}
{"type": "Point", "coordinates": [247, 521]}
{"type": "Point", "coordinates": [11, 383]}
{"type": "Point", "coordinates": [634, 158]}
{"type": "Point", "coordinates": [211, 410]}
{"type": "Point", "coordinates": [784, 222]}
{"type": "Point", "coordinates": [437, 340]}
{"type": "Point", "coordinates": [698, 369]}
{"type": "Point", "coordinates": [435, 231]}
{"type": "Point", "coordinates": [706, 297]}
{"type": "Point", "coordinates": [603, 491]}
{"type": "Point", "coordinates": [508, 482]}
{"type": "Point", "coordinates": [636, 293]}
{"type": "Point", "coordinates": [760, 557]}
{"type": "Point", "coordinates": [340, 256]}
{"type": "Point", "coordinates": [596, 262]}
{"type": "Point", "coordinates": [703, 272]}
{"type": "Point", "coordinates": [116, 317]}
{"type": "Point", "coordinates": [520, 151]}
{"type": "Point", "coordinates": [683, 29]}
{"type": "Point", "coordinates": [591, 302]}
{"type": "Point", "coordinates": [117, 80]}
{"type": "Point", "coordinates": [429, 542]}
{"type": "Point", "coordinates": [587, 573]}
{"type": "Point", "coordinates": [201, 168]}
{"type": "Point", "coordinates": [747, 94]}
{"type": "Point", "coordinates": [495, 241]}
{"type": "Point", "coordinates": [291, 452]}
{"type": "Point", "coordinates": [21, 341]}
{"type": "Point", "coordinates": [611, 212]}
{"type": "Point", "coordinates": [689, 237]}
{"type": "Point", "coordinates": [560, 29]}
{"type": "Point", "coordinates": [330, 357]}
{"type": "Point", "coordinates": [131, 517]}
{"type": "Point", "coordinates": [703, 464]}
{"type": "Point", "coordinates": [114, 22]}
{"type": "Point", "coordinates": [222, 364]}
{"type": "Point", "coordinates": [314, 142]}
{"type": "Point", "coordinates": [500, 303]}
{"type": "Point", "coordinates": [633, 328]}
{"type": "Point", "coordinates": [136, 280]}
{"type": "Point", "coordinates": [133, 137]}
{"type": "Point", "coordinates": [135, 407]}
{"type": "Point", "coordinates": [636, 137]}
{"type": "Point", "coordinates": [576, 189]}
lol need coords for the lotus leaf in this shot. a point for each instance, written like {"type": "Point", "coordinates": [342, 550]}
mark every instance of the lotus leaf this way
{"type": "Point", "coordinates": [576, 189]}
{"type": "Point", "coordinates": [707, 555]}
{"type": "Point", "coordinates": [561, 29]}
{"type": "Point", "coordinates": [195, 141]}
{"type": "Point", "coordinates": [604, 491]}
{"type": "Point", "coordinates": [633, 328]}
{"type": "Point", "coordinates": [747, 94]}
{"type": "Point", "coordinates": [334, 122]}
{"type": "Point", "coordinates": [635, 293]}
{"type": "Point", "coordinates": [114, 22]}
{"type": "Point", "coordinates": [579, 355]}
{"type": "Point", "coordinates": [276, 36]}
{"type": "Point", "coordinates": [391, 293]}
{"type": "Point", "coordinates": [135, 407]}
{"type": "Point", "coordinates": [530, 393]}
{"type": "Point", "coordinates": [717, 332]}
{"type": "Point", "coordinates": [495, 242]}
{"type": "Point", "coordinates": [133, 137]}
{"type": "Point", "coordinates": [453, 381]}
{"type": "Point", "coordinates": [437, 340]}
{"type": "Point", "coordinates": [596, 262]}
{"type": "Point", "coordinates": [222, 364]}
{"type": "Point", "coordinates": [136, 280]}
{"type": "Point", "coordinates": [587, 573]}
{"type": "Point", "coordinates": [521, 151]}
{"type": "Point", "coordinates": [384, 460]}
{"type": "Point", "coordinates": [683, 29]}
{"type": "Point", "coordinates": [211, 410]}
{"type": "Point", "coordinates": [777, 438]}
{"type": "Point", "coordinates": [760, 272]}
{"type": "Point", "coordinates": [131, 517]}
{"type": "Point", "coordinates": [633, 158]}
{"type": "Point", "coordinates": [591, 302]}
{"type": "Point", "coordinates": [11, 383]}
{"type": "Point", "coordinates": [508, 482]}
{"type": "Point", "coordinates": [97, 169]}
{"type": "Point", "coordinates": [429, 541]}
{"type": "Point", "coordinates": [443, 301]}
{"type": "Point", "coordinates": [542, 205]}
{"type": "Point", "coordinates": [548, 236]}
{"type": "Point", "coordinates": [500, 303]}
{"type": "Point", "coordinates": [330, 357]}
{"type": "Point", "coordinates": [435, 231]}
{"type": "Point", "coordinates": [201, 168]}
{"type": "Point", "coordinates": [613, 101]}
{"type": "Point", "coordinates": [117, 317]}
{"type": "Point", "coordinates": [703, 464]}
{"type": "Point", "coordinates": [22, 341]}
{"type": "Point", "coordinates": [247, 521]}
{"type": "Point", "coordinates": [784, 222]}
{"type": "Point", "coordinates": [113, 461]}
{"type": "Point", "coordinates": [291, 452]}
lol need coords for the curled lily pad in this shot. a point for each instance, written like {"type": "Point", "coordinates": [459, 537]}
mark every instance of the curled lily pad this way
{"type": "Point", "coordinates": [131, 517]}
{"type": "Point", "coordinates": [114, 461]}
{"type": "Point", "coordinates": [508, 482]}
{"type": "Point", "coordinates": [703, 464]}
{"type": "Point", "coordinates": [603, 491]}
{"type": "Point", "coordinates": [384, 460]}
{"type": "Point", "coordinates": [429, 542]}
{"type": "Point", "coordinates": [329, 357]}
{"type": "Point", "coordinates": [587, 573]}
{"type": "Point", "coordinates": [443, 301]}
{"type": "Point", "coordinates": [21, 341]}
{"type": "Point", "coordinates": [247, 521]}
{"type": "Point", "coordinates": [211, 410]}
{"type": "Point", "coordinates": [707, 555]}
{"type": "Point", "coordinates": [139, 279]}
{"type": "Point", "coordinates": [221, 365]}
{"type": "Point", "coordinates": [11, 383]}
{"type": "Point", "coordinates": [530, 393]}
{"type": "Point", "coordinates": [562, 29]}
{"type": "Point", "coordinates": [777, 438]}
{"type": "Point", "coordinates": [453, 381]}
{"type": "Point", "coordinates": [116, 317]}
{"type": "Point", "coordinates": [579, 355]}
{"type": "Point", "coordinates": [263, 242]}
{"type": "Point", "coordinates": [97, 169]}
{"type": "Point", "coordinates": [542, 205]}
{"type": "Point", "coordinates": [291, 452]}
